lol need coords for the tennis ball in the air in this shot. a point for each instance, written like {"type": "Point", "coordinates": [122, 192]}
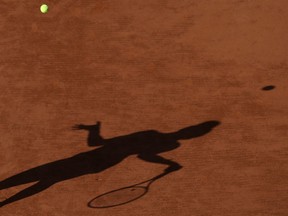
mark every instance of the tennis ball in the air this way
{"type": "Point", "coordinates": [44, 8]}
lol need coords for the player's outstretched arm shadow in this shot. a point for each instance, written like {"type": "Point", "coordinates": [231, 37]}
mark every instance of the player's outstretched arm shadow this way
{"type": "Point", "coordinates": [94, 138]}
{"type": "Point", "coordinates": [154, 158]}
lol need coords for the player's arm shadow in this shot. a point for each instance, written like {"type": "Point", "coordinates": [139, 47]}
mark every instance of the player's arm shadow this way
{"type": "Point", "coordinates": [146, 144]}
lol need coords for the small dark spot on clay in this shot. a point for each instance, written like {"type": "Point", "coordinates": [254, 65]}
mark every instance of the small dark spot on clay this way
{"type": "Point", "coordinates": [268, 88]}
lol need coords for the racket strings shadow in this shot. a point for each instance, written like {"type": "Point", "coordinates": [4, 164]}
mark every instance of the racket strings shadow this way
{"type": "Point", "coordinates": [118, 197]}
{"type": "Point", "coordinates": [124, 195]}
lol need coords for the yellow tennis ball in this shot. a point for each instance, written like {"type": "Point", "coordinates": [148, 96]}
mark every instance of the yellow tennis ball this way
{"type": "Point", "coordinates": [44, 8]}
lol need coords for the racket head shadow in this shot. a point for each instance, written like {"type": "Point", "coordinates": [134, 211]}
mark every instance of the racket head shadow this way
{"type": "Point", "coordinates": [118, 197]}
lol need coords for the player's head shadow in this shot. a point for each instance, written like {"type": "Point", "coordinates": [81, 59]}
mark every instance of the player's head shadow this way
{"type": "Point", "coordinates": [194, 131]}
{"type": "Point", "coordinates": [108, 153]}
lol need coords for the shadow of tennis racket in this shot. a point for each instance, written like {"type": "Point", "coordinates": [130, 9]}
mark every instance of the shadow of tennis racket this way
{"type": "Point", "coordinates": [123, 195]}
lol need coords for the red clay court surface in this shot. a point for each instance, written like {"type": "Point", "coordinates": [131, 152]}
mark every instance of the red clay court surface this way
{"type": "Point", "coordinates": [136, 66]}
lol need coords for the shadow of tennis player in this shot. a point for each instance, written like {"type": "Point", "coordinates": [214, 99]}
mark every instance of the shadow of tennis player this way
{"type": "Point", "coordinates": [145, 144]}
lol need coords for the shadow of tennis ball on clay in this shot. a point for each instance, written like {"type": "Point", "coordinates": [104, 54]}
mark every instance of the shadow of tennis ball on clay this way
{"type": "Point", "coordinates": [268, 88]}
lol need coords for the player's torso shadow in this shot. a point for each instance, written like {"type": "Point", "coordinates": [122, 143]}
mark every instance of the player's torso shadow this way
{"type": "Point", "coordinates": [146, 144]}
{"type": "Point", "coordinates": [111, 153]}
